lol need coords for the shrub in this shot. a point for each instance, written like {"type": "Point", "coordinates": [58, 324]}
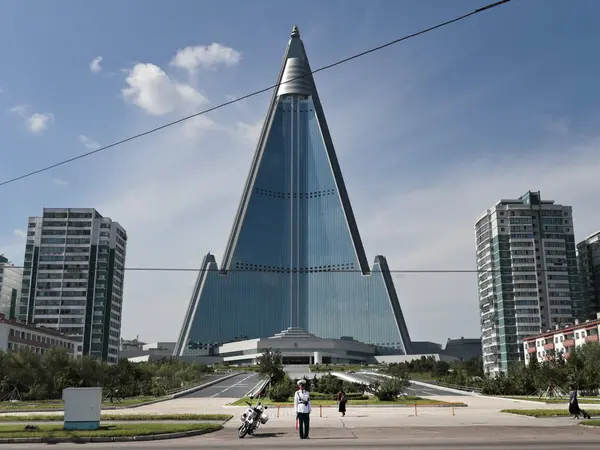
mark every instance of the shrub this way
{"type": "Point", "coordinates": [349, 396]}
{"type": "Point", "coordinates": [282, 390]}
{"type": "Point", "coordinates": [391, 388]}
{"type": "Point", "coordinates": [329, 384]}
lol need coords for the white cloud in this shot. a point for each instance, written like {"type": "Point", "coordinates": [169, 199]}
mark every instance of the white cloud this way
{"type": "Point", "coordinates": [95, 66]}
{"type": "Point", "coordinates": [60, 182]}
{"type": "Point", "coordinates": [88, 143]}
{"type": "Point", "coordinates": [39, 122]}
{"type": "Point", "coordinates": [205, 56]}
{"type": "Point", "coordinates": [153, 90]}
{"type": "Point", "coordinates": [20, 233]}
{"type": "Point", "coordinates": [36, 122]}
{"type": "Point", "coordinates": [249, 133]}
{"type": "Point", "coordinates": [19, 109]}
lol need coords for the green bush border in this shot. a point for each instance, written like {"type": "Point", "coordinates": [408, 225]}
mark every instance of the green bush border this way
{"type": "Point", "coordinates": [55, 433]}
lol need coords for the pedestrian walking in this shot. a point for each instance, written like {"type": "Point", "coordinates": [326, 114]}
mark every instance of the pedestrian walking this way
{"type": "Point", "coordinates": [342, 400]}
{"type": "Point", "coordinates": [574, 406]}
{"type": "Point", "coordinates": [302, 407]}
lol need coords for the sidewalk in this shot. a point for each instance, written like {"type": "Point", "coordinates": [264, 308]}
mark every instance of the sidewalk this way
{"type": "Point", "coordinates": [480, 411]}
{"type": "Point", "coordinates": [404, 417]}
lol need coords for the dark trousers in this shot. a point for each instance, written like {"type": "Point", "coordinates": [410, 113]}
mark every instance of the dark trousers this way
{"type": "Point", "coordinates": [303, 424]}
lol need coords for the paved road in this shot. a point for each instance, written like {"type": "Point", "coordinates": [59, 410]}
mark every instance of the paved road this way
{"type": "Point", "coordinates": [414, 389]}
{"type": "Point", "coordinates": [476, 438]}
{"type": "Point", "coordinates": [235, 387]}
{"type": "Point", "coordinates": [421, 391]}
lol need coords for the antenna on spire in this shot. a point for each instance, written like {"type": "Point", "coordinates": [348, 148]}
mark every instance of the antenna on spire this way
{"type": "Point", "coordinates": [295, 31]}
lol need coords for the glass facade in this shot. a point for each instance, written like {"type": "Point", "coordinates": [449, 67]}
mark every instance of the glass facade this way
{"type": "Point", "coordinates": [295, 258]}
{"type": "Point", "coordinates": [589, 264]}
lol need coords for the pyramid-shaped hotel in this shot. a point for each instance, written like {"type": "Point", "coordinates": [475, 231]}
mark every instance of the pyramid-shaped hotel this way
{"type": "Point", "coordinates": [294, 258]}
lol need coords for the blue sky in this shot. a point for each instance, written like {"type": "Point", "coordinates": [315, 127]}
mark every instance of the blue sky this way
{"type": "Point", "coordinates": [430, 132]}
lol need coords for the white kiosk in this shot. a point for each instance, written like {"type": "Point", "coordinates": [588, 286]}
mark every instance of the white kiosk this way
{"type": "Point", "coordinates": [82, 408]}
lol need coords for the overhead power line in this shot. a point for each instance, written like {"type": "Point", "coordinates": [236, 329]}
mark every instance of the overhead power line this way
{"type": "Point", "coordinates": [287, 271]}
{"type": "Point", "coordinates": [261, 91]}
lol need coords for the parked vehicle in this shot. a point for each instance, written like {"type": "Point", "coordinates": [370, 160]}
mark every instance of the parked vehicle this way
{"type": "Point", "coordinates": [252, 418]}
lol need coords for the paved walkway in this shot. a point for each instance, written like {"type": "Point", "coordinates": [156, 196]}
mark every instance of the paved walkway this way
{"type": "Point", "coordinates": [479, 438]}
{"type": "Point", "coordinates": [480, 411]}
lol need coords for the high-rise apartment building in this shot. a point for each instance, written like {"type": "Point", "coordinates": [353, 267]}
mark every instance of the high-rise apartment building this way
{"type": "Point", "coordinates": [73, 278]}
{"type": "Point", "coordinates": [10, 288]}
{"type": "Point", "coordinates": [588, 252]}
{"type": "Point", "coordinates": [295, 258]}
{"type": "Point", "coordinates": [528, 275]}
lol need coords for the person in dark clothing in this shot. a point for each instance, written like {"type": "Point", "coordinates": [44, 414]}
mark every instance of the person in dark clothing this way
{"type": "Point", "coordinates": [342, 400]}
{"type": "Point", "coordinates": [574, 406]}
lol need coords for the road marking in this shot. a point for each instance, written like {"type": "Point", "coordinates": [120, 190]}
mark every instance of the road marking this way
{"type": "Point", "coordinates": [239, 383]}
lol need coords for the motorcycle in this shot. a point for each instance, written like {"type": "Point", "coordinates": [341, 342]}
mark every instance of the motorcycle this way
{"type": "Point", "coordinates": [252, 418]}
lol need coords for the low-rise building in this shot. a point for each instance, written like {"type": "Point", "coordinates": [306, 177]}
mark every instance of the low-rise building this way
{"type": "Point", "coordinates": [17, 336]}
{"type": "Point", "coordinates": [561, 341]}
{"type": "Point", "coordinates": [131, 345]}
{"type": "Point", "coordinates": [155, 350]}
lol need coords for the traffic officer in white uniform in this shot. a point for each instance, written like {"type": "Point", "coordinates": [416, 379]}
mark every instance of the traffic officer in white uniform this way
{"type": "Point", "coordinates": [302, 407]}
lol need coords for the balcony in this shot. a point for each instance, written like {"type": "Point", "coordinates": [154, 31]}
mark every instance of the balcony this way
{"type": "Point", "coordinates": [569, 343]}
{"type": "Point", "coordinates": [549, 346]}
{"type": "Point", "coordinates": [591, 338]}
{"type": "Point", "coordinates": [531, 350]}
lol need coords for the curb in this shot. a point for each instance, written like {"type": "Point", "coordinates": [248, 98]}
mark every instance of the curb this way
{"type": "Point", "coordinates": [444, 388]}
{"type": "Point", "coordinates": [137, 405]}
{"type": "Point", "coordinates": [262, 383]}
{"type": "Point", "coordinates": [81, 440]}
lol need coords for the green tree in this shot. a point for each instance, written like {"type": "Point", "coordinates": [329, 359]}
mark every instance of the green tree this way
{"type": "Point", "coordinates": [270, 365]}
{"type": "Point", "coordinates": [330, 384]}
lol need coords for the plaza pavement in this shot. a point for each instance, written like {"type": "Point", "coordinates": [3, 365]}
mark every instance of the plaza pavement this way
{"type": "Point", "coordinates": [481, 411]}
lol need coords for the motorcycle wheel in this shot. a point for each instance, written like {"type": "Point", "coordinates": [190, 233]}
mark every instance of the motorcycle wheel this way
{"type": "Point", "coordinates": [243, 430]}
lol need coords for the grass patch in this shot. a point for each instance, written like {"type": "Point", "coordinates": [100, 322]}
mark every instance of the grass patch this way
{"type": "Point", "coordinates": [547, 412]}
{"type": "Point", "coordinates": [584, 400]}
{"type": "Point", "coordinates": [119, 417]}
{"type": "Point", "coordinates": [59, 404]}
{"type": "Point", "coordinates": [405, 400]}
{"type": "Point", "coordinates": [591, 423]}
{"type": "Point", "coordinates": [126, 429]}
